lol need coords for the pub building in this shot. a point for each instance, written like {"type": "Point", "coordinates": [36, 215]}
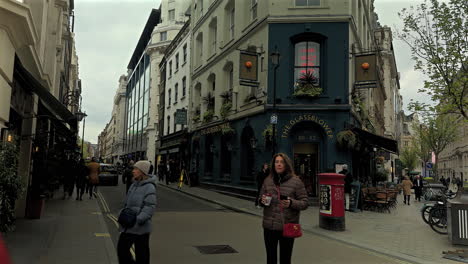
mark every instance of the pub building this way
{"type": "Point", "coordinates": [313, 105]}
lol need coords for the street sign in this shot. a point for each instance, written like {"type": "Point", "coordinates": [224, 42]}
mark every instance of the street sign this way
{"type": "Point", "coordinates": [181, 117]}
{"type": "Point", "coordinates": [429, 165]}
{"type": "Point", "coordinates": [274, 119]}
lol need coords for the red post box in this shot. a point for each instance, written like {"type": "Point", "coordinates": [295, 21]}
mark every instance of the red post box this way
{"type": "Point", "coordinates": [332, 213]}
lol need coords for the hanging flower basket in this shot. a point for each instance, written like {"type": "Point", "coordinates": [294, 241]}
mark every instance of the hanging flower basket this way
{"type": "Point", "coordinates": [228, 130]}
{"type": "Point", "coordinates": [347, 139]}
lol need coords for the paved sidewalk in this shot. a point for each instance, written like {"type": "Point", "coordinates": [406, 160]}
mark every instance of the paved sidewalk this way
{"type": "Point", "coordinates": [400, 234]}
{"type": "Point", "coordinates": [69, 232]}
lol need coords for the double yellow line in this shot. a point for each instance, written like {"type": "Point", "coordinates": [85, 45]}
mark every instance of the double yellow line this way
{"type": "Point", "coordinates": [111, 216]}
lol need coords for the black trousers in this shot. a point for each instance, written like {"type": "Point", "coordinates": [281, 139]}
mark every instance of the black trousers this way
{"type": "Point", "coordinates": [272, 237]}
{"type": "Point", "coordinates": [407, 198]}
{"type": "Point", "coordinates": [142, 251]}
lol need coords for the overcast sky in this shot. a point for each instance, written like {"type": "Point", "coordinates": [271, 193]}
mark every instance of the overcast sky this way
{"type": "Point", "coordinates": [107, 32]}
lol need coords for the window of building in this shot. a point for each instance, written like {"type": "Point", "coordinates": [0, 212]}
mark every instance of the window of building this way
{"type": "Point", "coordinates": [184, 85]}
{"type": "Point", "coordinates": [170, 68]}
{"type": "Point", "coordinates": [200, 4]}
{"type": "Point", "coordinates": [169, 97]}
{"type": "Point", "coordinates": [307, 62]}
{"type": "Point", "coordinates": [176, 91]}
{"type": "Point", "coordinates": [163, 36]}
{"type": "Point", "coordinates": [185, 53]}
{"type": "Point", "coordinates": [307, 2]}
{"type": "Point", "coordinates": [214, 35]}
{"type": "Point", "coordinates": [168, 124]}
{"type": "Point", "coordinates": [253, 9]}
{"type": "Point", "coordinates": [177, 61]}
{"type": "Point", "coordinates": [231, 22]}
{"type": "Point", "coordinates": [175, 125]}
{"type": "Point", "coordinates": [199, 47]}
{"type": "Point", "coordinates": [172, 15]}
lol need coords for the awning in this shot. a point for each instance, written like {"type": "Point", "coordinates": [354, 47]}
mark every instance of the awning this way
{"type": "Point", "coordinates": [376, 140]}
{"type": "Point", "coordinates": [28, 82]}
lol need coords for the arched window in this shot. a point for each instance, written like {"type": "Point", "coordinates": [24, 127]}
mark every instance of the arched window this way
{"type": "Point", "coordinates": [307, 62]}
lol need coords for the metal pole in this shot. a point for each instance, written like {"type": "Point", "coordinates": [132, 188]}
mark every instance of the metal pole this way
{"type": "Point", "coordinates": [82, 138]}
{"type": "Point", "coordinates": [274, 110]}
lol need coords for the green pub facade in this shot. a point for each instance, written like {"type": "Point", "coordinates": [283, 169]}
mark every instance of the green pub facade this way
{"type": "Point", "coordinates": [228, 154]}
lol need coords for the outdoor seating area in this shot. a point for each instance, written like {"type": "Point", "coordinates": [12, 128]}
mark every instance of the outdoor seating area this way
{"type": "Point", "coordinates": [379, 199]}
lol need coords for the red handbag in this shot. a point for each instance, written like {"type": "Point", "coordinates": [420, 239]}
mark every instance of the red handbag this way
{"type": "Point", "coordinates": [290, 230]}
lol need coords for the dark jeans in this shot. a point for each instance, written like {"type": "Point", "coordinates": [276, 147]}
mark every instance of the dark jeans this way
{"type": "Point", "coordinates": [90, 188]}
{"type": "Point", "coordinates": [418, 193]}
{"type": "Point", "coordinates": [407, 198]}
{"type": "Point", "coordinates": [80, 189]}
{"type": "Point", "coordinates": [142, 251]}
{"type": "Point", "coordinates": [272, 237]}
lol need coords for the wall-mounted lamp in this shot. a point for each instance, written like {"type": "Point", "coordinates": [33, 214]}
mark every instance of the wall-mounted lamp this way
{"type": "Point", "coordinates": [10, 138]}
{"type": "Point", "coordinates": [253, 143]}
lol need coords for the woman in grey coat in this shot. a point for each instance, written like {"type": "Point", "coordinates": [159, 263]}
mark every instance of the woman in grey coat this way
{"type": "Point", "coordinates": [141, 198]}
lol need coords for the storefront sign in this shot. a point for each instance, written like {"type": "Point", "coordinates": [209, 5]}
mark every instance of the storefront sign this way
{"type": "Point", "coordinates": [181, 117]}
{"type": "Point", "coordinates": [321, 122]}
{"type": "Point", "coordinates": [214, 129]}
{"type": "Point", "coordinates": [325, 199]}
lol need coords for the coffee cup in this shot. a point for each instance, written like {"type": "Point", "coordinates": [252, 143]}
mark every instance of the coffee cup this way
{"type": "Point", "coordinates": [268, 198]}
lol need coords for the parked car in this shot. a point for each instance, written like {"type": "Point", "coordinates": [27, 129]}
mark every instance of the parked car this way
{"type": "Point", "coordinates": [108, 174]}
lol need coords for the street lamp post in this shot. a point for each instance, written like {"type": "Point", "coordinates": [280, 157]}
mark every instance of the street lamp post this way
{"type": "Point", "coordinates": [275, 57]}
{"type": "Point", "coordinates": [81, 116]}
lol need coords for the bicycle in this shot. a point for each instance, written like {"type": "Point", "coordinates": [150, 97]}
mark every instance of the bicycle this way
{"type": "Point", "coordinates": [426, 209]}
{"type": "Point", "coordinates": [438, 217]}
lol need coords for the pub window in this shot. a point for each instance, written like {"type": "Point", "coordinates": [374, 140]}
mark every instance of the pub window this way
{"type": "Point", "coordinates": [307, 62]}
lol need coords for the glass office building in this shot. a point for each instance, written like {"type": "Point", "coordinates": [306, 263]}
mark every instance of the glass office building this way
{"type": "Point", "coordinates": [137, 106]}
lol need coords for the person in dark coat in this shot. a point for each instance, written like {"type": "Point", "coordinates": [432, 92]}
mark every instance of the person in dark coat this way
{"type": "Point", "coordinates": [81, 174]}
{"type": "Point", "coordinates": [151, 168]}
{"type": "Point", "coordinates": [418, 185]}
{"type": "Point", "coordinates": [261, 175]}
{"type": "Point", "coordinates": [443, 181]}
{"type": "Point", "coordinates": [127, 175]}
{"type": "Point", "coordinates": [69, 176]}
{"type": "Point", "coordinates": [161, 171]}
{"type": "Point", "coordinates": [347, 188]}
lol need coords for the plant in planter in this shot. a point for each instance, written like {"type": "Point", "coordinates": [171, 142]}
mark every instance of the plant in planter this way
{"type": "Point", "coordinates": [250, 97]}
{"type": "Point", "coordinates": [10, 185]}
{"type": "Point", "coordinates": [381, 175]}
{"type": "Point", "coordinates": [196, 115]}
{"type": "Point", "coordinates": [347, 139]}
{"type": "Point", "coordinates": [208, 115]}
{"type": "Point", "coordinates": [225, 109]}
{"type": "Point", "coordinates": [307, 86]}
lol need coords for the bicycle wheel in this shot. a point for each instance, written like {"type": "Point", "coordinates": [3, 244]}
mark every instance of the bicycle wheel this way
{"type": "Point", "coordinates": [425, 212]}
{"type": "Point", "coordinates": [438, 220]}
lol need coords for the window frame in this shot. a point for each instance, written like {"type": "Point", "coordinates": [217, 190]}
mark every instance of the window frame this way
{"type": "Point", "coordinates": [176, 92]}
{"type": "Point", "coordinates": [232, 22]}
{"type": "Point", "coordinates": [253, 9]}
{"type": "Point", "coordinates": [173, 14]}
{"type": "Point", "coordinates": [177, 62]}
{"type": "Point", "coordinates": [307, 5]}
{"type": "Point", "coordinates": [184, 86]}
{"type": "Point", "coordinates": [170, 69]}
{"type": "Point", "coordinates": [161, 34]}
{"type": "Point", "coordinates": [169, 98]}
{"type": "Point", "coordinates": [185, 52]}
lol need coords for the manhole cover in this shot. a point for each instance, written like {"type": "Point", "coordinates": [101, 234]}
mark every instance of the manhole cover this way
{"type": "Point", "coordinates": [216, 249]}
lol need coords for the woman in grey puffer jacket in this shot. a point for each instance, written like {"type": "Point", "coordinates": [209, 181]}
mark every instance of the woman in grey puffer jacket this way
{"type": "Point", "coordinates": [284, 207]}
{"type": "Point", "coordinates": [141, 198]}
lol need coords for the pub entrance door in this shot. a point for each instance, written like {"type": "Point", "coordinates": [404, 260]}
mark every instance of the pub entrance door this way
{"type": "Point", "coordinates": [306, 160]}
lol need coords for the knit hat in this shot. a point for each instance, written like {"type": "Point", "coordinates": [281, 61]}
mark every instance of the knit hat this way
{"type": "Point", "coordinates": [143, 165]}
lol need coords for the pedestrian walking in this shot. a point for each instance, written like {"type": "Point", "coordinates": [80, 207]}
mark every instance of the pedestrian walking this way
{"type": "Point", "coordinates": [141, 200]}
{"type": "Point", "coordinates": [93, 177]}
{"type": "Point", "coordinates": [127, 175]}
{"type": "Point", "coordinates": [69, 177]}
{"type": "Point", "coordinates": [283, 196]}
{"type": "Point", "coordinates": [81, 175]}
{"type": "Point", "coordinates": [448, 182]}
{"type": "Point", "coordinates": [151, 168]}
{"type": "Point", "coordinates": [418, 186]}
{"type": "Point", "coordinates": [443, 181]}
{"type": "Point", "coordinates": [161, 171]}
{"type": "Point", "coordinates": [347, 186]}
{"type": "Point", "coordinates": [261, 175]}
{"type": "Point", "coordinates": [407, 185]}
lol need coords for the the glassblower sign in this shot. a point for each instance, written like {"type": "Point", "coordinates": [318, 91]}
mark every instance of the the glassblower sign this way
{"type": "Point", "coordinates": [313, 118]}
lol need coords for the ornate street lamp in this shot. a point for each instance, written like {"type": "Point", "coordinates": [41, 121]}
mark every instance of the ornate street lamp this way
{"type": "Point", "coordinates": [275, 58]}
{"type": "Point", "coordinates": [81, 116]}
